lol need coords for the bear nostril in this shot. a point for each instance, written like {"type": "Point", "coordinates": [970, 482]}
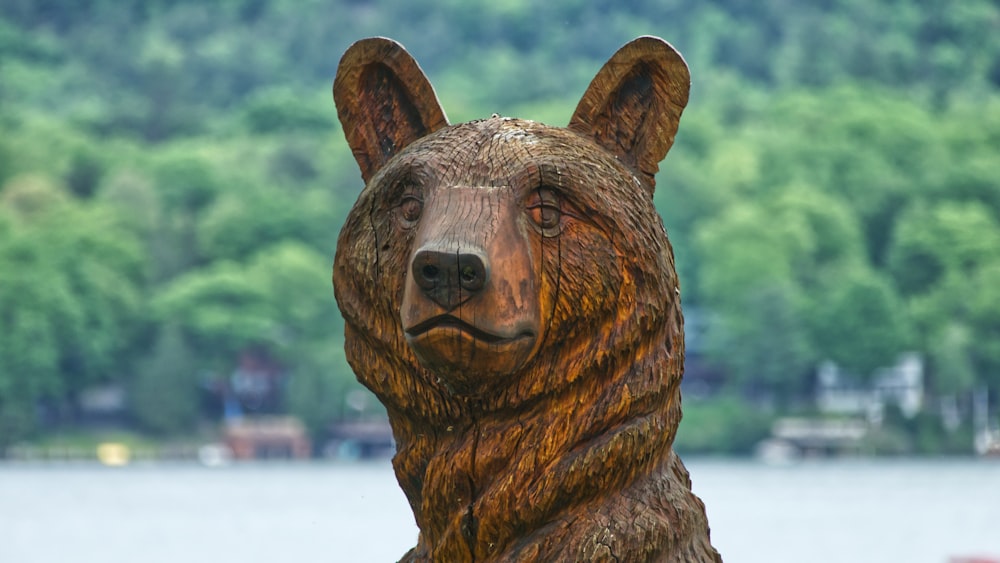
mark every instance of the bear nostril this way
{"type": "Point", "coordinates": [469, 274]}
{"type": "Point", "coordinates": [430, 272]}
{"type": "Point", "coordinates": [427, 270]}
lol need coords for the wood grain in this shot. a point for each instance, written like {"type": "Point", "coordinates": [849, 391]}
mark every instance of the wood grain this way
{"type": "Point", "coordinates": [510, 296]}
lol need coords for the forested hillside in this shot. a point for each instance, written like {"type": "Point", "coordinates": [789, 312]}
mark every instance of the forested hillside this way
{"type": "Point", "coordinates": [173, 178]}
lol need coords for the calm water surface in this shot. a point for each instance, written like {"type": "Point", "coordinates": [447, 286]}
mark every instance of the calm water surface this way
{"type": "Point", "coordinates": [857, 511]}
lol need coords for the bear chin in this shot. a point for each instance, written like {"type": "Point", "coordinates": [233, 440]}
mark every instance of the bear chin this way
{"type": "Point", "coordinates": [468, 361]}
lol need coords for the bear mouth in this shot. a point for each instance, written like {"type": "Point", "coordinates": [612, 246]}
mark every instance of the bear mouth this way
{"type": "Point", "coordinates": [449, 321]}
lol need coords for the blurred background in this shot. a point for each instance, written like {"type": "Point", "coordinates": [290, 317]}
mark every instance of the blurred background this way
{"type": "Point", "coordinates": [173, 178]}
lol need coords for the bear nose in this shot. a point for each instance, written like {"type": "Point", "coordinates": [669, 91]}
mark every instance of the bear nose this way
{"type": "Point", "coordinates": [449, 278]}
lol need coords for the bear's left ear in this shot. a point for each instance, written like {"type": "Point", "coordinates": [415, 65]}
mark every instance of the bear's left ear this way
{"type": "Point", "coordinates": [634, 104]}
{"type": "Point", "coordinates": [384, 102]}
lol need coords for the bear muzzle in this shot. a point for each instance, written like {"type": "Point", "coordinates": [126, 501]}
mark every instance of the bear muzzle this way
{"type": "Point", "coordinates": [470, 304]}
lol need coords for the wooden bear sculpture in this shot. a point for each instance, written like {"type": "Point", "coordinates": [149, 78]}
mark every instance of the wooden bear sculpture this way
{"type": "Point", "coordinates": [510, 296]}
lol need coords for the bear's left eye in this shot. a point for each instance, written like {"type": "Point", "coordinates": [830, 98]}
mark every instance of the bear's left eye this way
{"type": "Point", "coordinates": [410, 208]}
{"type": "Point", "coordinates": [544, 210]}
{"type": "Point", "coordinates": [547, 216]}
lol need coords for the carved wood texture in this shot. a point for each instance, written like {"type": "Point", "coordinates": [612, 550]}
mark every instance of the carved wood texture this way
{"type": "Point", "coordinates": [510, 296]}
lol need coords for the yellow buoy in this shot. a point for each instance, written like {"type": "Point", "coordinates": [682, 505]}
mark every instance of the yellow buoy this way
{"type": "Point", "coordinates": [113, 454]}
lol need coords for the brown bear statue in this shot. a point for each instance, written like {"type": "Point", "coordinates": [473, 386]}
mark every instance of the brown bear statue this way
{"type": "Point", "coordinates": [510, 296]}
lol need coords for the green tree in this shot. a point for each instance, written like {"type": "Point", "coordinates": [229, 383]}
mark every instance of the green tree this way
{"type": "Point", "coordinates": [164, 396]}
{"type": "Point", "coordinates": [186, 183]}
{"type": "Point", "coordinates": [947, 259]}
{"type": "Point", "coordinates": [71, 278]}
{"type": "Point", "coordinates": [765, 346]}
{"type": "Point", "coordinates": [951, 351]}
{"type": "Point", "coordinates": [282, 110]}
{"type": "Point", "coordinates": [830, 238]}
{"type": "Point", "coordinates": [758, 328]}
{"type": "Point", "coordinates": [278, 302]}
{"type": "Point", "coordinates": [240, 224]}
{"type": "Point", "coordinates": [860, 323]}
{"type": "Point", "coordinates": [319, 381]}
{"type": "Point", "coordinates": [984, 315]}
{"type": "Point", "coordinates": [748, 251]}
{"type": "Point", "coordinates": [187, 186]}
{"type": "Point", "coordinates": [220, 310]}
{"type": "Point", "coordinates": [951, 239]}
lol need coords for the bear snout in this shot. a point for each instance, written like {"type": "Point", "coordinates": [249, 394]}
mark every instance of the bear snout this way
{"type": "Point", "coordinates": [470, 309]}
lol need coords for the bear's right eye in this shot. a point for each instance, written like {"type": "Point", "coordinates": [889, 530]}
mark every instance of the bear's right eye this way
{"type": "Point", "coordinates": [410, 208]}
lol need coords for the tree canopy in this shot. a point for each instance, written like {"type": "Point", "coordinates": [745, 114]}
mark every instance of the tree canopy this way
{"type": "Point", "coordinates": [173, 178]}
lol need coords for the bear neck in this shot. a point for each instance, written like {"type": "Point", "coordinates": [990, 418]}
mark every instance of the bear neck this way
{"type": "Point", "coordinates": [479, 485]}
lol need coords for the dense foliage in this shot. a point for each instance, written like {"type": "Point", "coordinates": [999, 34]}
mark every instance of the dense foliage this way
{"type": "Point", "coordinates": [172, 179]}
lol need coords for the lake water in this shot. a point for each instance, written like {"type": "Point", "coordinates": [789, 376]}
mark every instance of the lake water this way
{"type": "Point", "coordinates": [817, 511]}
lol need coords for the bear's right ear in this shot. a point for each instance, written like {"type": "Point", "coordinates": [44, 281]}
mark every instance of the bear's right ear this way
{"type": "Point", "coordinates": [384, 102]}
{"type": "Point", "coordinates": [633, 106]}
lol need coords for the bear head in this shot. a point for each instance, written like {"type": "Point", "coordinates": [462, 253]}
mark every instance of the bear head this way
{"type": "Point", "coordinates": [492, 258]}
